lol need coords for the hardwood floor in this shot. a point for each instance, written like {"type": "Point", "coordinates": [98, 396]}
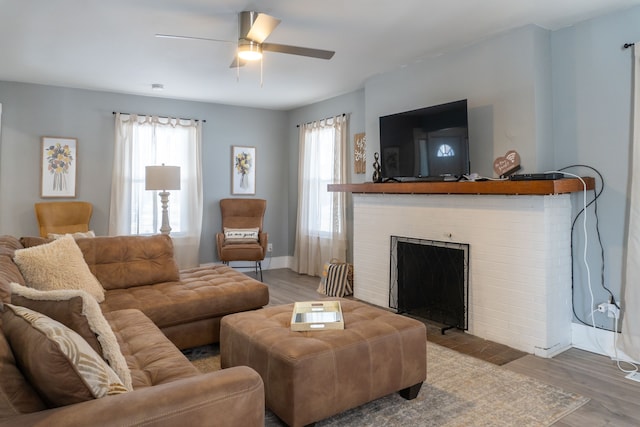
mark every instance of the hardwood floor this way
{"type": "Point", "coordinates": [287, 286]}
{"type": "Point", "coordinates": [615, 400]}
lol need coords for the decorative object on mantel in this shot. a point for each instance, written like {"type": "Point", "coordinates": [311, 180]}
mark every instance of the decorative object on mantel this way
{"type": "Point", "coordinates": [58, 167]}
{"type": "Point", "coordinates": [377, 173]}
{"type": "Point", "coordinates": [505, 166]}
{"type": "Point", "coordinates": [359, 153]}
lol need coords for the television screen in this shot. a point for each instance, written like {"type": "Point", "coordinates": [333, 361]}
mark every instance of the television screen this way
{"type": "Point", "coordinates": [426, 144]}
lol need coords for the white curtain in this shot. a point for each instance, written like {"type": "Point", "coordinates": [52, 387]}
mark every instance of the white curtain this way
{"type": "Point", "coordinates": [321, 227]}
{"type": "Point", "coordinates": [149, 140]}
{"type": "Point", "coordinates": [629, 342]}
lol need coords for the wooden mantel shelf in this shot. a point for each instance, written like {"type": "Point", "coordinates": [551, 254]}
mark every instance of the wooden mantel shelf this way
{"type": "Point", "coordinates": [540, 187]}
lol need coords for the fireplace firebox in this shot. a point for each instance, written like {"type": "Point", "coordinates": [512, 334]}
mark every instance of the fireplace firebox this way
{"type": "Point", "coordinates": [430, 279]}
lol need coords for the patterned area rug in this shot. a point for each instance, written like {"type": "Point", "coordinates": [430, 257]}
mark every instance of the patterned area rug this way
{"type": "Point", "coordinates": [460, 391]}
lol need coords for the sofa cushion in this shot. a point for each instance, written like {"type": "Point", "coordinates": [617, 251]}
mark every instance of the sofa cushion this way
{"type": "Point", "coordinates": [79, 311]}
{"type": "Point", "coordinates": [16, 394]}
{"type": "Point", "coordinates": [57, 361]}
{"type": "Point", "coordinates": [152, 358]}
{"type": "Point", "coordinates": [29, 241]}
{"type": "Point", "coordinates": [121, 262]}
{"type": "Point", "coordinates": [9, 271]}
{"type": "Point", "coordinates": [241, 235]}
{"type": "Point", "coordinates": [57, 265]}
{"type": "Point", "coordinates": [203, 293]}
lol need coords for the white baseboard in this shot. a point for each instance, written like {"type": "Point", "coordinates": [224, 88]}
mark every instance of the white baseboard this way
{"type": "Point", "coordinates": [591, 339]}
{"type": "Point", "coordinates": [273, 263]}
{"type": "Point", "coordinates": [598, 341]}
{"type": "Point", "coordinates": [550, 352]}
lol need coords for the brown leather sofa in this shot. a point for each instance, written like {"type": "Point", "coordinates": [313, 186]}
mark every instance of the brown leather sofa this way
{"type": "Point", "coordinates": [153, 310]}
{"type": "Point", "coordinates": [187, 305]}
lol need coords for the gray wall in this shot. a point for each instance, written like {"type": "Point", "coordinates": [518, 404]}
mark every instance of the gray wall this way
{"type": "Point", "coordinates": [31, 111]}
{"type": "Point", "coordinates": [499, 78]}
{"type": "Point", "coordinates": [592, 110]}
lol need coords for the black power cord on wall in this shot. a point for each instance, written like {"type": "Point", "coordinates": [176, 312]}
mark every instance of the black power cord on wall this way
{"type": "Point", "coordinates": [594, 202]}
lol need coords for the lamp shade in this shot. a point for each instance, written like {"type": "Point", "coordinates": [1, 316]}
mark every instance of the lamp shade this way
{"type": "Point", "coordinates": [162, 177]}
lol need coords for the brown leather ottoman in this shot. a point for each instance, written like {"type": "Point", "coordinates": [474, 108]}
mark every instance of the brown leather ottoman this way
{"type": "Point", "coordinates": [310, 376]}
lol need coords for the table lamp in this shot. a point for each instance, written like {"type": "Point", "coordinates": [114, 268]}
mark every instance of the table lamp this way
{"type": "Point", "coordinates": [163, 178]}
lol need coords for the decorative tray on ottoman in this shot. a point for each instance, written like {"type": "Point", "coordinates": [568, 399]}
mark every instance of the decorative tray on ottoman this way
{"type": "Point", "coordinates": [317, 315]}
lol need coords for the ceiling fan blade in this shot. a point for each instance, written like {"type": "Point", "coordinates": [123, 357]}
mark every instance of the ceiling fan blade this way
{"type": "Point", "coordinates": [171, 36]}
{"type": "Point", "coordinates": [297, 50]}
{"type": "Point", "coordinates": [256, 26]}
{"type": "Point", "coordinates": [237, 62]}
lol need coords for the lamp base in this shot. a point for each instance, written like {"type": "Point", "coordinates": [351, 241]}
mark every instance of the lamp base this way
{"type": "Point", "coordinates": [164, 200]}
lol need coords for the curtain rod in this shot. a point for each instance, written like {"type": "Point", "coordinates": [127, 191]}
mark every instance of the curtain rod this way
{"type": "Point", "coordinates": [326, 118]}
{"type": "Point", "coordinates": [164, 117]}
{"type": "Point", "coordinates": [627, 45]}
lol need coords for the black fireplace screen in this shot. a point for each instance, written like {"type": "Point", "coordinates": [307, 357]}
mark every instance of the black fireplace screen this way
{"type": "Point", "coordinates": [430, 279]}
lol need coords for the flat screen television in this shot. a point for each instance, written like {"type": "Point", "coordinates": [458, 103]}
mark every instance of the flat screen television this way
{"type": "Point", "coordinates": [428, 144]}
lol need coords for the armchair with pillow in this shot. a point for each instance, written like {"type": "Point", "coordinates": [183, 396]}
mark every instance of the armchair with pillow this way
{"type": "Point", "coordinates": [242, 237]}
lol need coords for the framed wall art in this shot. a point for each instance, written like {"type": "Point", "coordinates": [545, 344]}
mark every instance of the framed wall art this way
{"type": "Point", "coordinates": [243, 170]}
{"type": "Point", "coordinates": [59, 162]}
{"type": "Point", "coordinates": [360, 153]}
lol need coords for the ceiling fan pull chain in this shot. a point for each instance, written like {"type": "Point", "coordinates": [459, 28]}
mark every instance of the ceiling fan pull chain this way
{"type": "Point", "coordinates": [261, 61]}
{"type": "Point", "coordinates": [237, 68]}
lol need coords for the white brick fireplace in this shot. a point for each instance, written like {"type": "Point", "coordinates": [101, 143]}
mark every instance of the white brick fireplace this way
{"type": "Point", "coordinates": [519, 258]}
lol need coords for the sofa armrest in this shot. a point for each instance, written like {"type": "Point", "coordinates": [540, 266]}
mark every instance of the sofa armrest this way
{"type": "Point", "coordinates": [229, 397]}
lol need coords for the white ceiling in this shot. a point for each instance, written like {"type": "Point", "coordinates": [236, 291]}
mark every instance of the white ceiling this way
{"type": "Point", "coordinates": [109, 45]}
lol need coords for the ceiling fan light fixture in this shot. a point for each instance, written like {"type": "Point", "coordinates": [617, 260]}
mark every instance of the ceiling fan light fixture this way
{"type": "Point", "coordinates": [249, 50]}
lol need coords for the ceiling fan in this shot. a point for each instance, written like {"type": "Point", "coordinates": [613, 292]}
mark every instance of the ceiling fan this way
{"type": "Point", "coordinates": [253, 30]}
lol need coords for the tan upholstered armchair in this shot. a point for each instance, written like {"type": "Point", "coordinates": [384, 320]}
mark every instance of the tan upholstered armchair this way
{"type": "Point", "coordinates": [242, 237]}
{"type": "Point", "coordinates": [63, 217]}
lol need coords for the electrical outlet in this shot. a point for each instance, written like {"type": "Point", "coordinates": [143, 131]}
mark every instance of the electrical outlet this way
{"type": "Point", "coordinates": [269, 247]}
{"type": "Point", "coordinates": [611, 310]}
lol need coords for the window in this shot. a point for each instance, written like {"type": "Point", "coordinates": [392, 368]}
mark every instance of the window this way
{"type": "Point", "coordinates": [145, 141]}
{"type": "Point", "coordinates": [156, 145]}
{"type": "Point", "coordinates": [320, 163]}
{"type": "Point", "coordinates": [445, 150]}
{"type": "Point", "coordinates": [323, 171]}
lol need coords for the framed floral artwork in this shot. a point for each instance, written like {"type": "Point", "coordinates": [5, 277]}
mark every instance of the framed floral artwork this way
{"type": "Point", "coordinates": [360, 153]}
{"type": "Point", "coordinates": [58, 167]}
{"type": "Point", "coordinates": [243, 170]}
